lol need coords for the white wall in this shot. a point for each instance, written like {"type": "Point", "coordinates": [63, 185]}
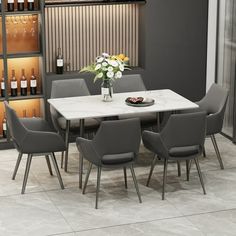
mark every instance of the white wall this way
{"type": "Point", "coordinates": [211, 45]}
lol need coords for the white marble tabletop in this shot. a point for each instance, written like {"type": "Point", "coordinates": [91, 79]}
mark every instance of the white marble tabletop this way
{"type": "Point", "coordinates": [93, 106]}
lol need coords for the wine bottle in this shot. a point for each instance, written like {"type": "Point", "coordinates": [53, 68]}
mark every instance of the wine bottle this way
{"type": "Point", "coordinates": [20, 5]}
{"type": "Point", "coordinates": [60, 63]}
{"type": "Point", "coordinates": [23, 84]}
{"type": "Point", "coordinates": [2, 85]}
{"type": "Point", "coordinates": [13, 84]}
{"type": "Point", "coordinates": [10, 5]}
{"type": "Point", "coordinates": [4, 126]}
{"type": "Point", "coordinates": [0, 5]}
{"type": "Point", "coordinates": [30, 5]}
{"type": "Point", "coordinates": [33, 83]}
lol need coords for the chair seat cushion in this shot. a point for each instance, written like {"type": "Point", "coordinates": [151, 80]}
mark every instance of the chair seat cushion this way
{"type": "Point", "coordinates": [184, 151]}
{"type": "Point", "coordinates": [115, 159]}
{"type": "Point", "coordinates": [148, 117]}
{"type": "Point", "coordinates": [75, 124]}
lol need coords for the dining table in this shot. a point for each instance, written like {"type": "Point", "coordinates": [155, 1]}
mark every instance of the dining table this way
{"type": "Point", "coordinates": [92, 106]}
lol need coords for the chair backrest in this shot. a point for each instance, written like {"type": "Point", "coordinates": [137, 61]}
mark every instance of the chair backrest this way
{"type": "Point", "coordinates": [66, 88]}
{"type": "Point", "coordinates": [215, 100]}
{"type": "Point", "coordinates": [185, 130]}
{"type": "Point", "coordinates": [129, 83]}
{"type": "Point", "coordinates": [69, 88]}
{"type": "Point", "coordinates": [17, 130]}
{"type": "Point", "coordinates": [214, 103]}
{"type": "Point", "coordinates": [118, 136]}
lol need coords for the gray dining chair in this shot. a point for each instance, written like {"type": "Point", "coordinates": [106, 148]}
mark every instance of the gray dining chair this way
{"type": "Point", "coordinates": [182, 139]}
{"type": "Point", "coordinates": [214, 104]}
{"type": "Point", "coordinates": [115, 145]}
{"type": "Point", "coordinates": [133, 83]}
{"type": "Point", "coordinates": [70, 88]}
{"type": "Point", "coordinates": [33, 137]}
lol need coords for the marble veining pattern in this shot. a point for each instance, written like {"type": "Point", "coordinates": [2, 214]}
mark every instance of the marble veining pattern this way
{"type": "Point", "coordinates": [45, 209]}
{"type": "Point", "coordinates": [93, 106]}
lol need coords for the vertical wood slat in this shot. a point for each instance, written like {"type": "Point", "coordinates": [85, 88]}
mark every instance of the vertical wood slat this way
{"type": "Point", "coordinates": [84, 32]}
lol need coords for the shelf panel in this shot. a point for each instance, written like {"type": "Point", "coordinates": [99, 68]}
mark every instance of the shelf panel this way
{"type": "Point", "coordinates": [9, 13]}
{"type": "Point", "coordinates": [26, 97]}
{"type": "Point", "coordinates": [2, 99]}
{"type": "Point", "coordinates": [26, 54]}
{"type": "Point", "coordinates": [55, 3]}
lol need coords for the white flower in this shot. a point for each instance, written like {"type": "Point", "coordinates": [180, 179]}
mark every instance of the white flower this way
{"type": "Point", "coordinates": [114, 63]}
{"type": "Point", "coordinates": [122, 68]}
{"type": "Point", "coordinates": [109, 61]}
{"type": "Point", "coordinates": [118, 75]}
{"type": "Point", "coordinates": [104, 63]}
{"type": "Point", "coordinates": [110, 74]}
{"type": "Point", "coordinates": [100, 75]}
{"type": "Point", "coordinates": [100, 59]}
{"type": "Point", "coordinates": [104, 68]}
{"type": "Point", "coordinates": [110, 68]}
{"type": "Point", "coordinates": [98, 66]}
{"type": "Point", "coordinates": [105, 55]}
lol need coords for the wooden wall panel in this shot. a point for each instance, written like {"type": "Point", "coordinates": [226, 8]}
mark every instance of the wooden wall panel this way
{"type": "Point", "coordinates": [84, 32]}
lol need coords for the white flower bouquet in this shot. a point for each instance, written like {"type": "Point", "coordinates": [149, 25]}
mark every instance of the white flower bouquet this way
{"type": "Point", "coordinates": [107, 67]}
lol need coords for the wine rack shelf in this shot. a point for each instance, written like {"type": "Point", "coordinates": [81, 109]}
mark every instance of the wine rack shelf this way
{"type": "Point", "coordinates": [22, 13]}
{"type": "Point", "coordinates": [25, 54]}
{"type": "Point", "coordinates": [21, 49]}
{"type": "Point", "coordinates": [38, 96]}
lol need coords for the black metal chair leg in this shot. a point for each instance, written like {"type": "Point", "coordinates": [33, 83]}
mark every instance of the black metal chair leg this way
{"type": "Point", "coordinates": [17, 165]}
{"type": "Point", "coordinates": [81, 161]}
{"type": "Point", "coordinates": [54, 161]}
{"type": "Point", "coordinates": [48, 164]}
{"type": "Point", "coordinates": [204, 151]}
{"type": "Point", "coordinates": [135, 183]}
{"type": "Point", "coordinates": [125, 177]}
{"type": "Point", "coordinates": [62, 159]}
{"type": "Point", "coordinates": [151, 170]}
{"type": "Point", "coordinates": [87, 177]}
{"type": "Point", "coordinates": [179, 168]}
{"type": "Point", "coordinates": [27, 168]}
{"type": "Point", "coordinates": [164, 178]}
{"type": "Point", "coordinates": [213, 139]}
{"type": "Point", "coordinates": [187, 169]}
{"type": "Point", "coordinates": [200, 175]}
{"type": "Point", "coordinates": [98, 186]}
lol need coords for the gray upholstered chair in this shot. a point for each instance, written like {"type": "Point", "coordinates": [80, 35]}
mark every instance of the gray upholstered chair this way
{"type": "Point", "coordinates": [133, 83]}
{"type": "Point", "coordinates": [70, 88]}
{"type": "Point", "coordinates": [214, 104]}
{"type": "Point", "coordinates": [115, 145]}
{"type": "Point", "coordinates": [33, 137]}
{"type": "Point", "coordinates": [181, 139]}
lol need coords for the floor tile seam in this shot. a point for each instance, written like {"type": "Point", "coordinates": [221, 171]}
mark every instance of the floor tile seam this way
{"type": "Point", "coordinates": [60, 212]}
{"type": "Point", "coordinates": [72, 232]}
{"type": "Point", "coordinates": [209, 212]}
{"type": "Point", "coordinates": [127, 224]}
{"type": "Point", "coordinates": [155, 220]}
{"type": "Point", "coordinates": [31, 193]}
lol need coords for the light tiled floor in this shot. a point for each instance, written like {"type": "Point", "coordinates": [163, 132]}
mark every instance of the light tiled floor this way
{"type": "Point", "coordinates": [45, 209]}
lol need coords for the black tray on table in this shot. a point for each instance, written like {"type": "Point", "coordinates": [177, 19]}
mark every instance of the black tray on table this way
{"type": "Point", "coordinates": [139, 101]}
